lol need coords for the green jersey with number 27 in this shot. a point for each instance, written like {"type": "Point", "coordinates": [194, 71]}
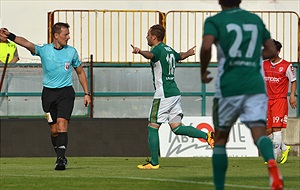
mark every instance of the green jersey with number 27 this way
{"type": "Point", "coordinates": [239, 36]}
{"type": "Point", "coordinates": [163, 67]}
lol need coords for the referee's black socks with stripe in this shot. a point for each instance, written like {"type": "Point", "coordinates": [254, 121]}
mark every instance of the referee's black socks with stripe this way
{"type": "Point", "coordinates": [62, 142]}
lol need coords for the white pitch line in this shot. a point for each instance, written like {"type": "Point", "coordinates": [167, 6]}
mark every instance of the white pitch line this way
{"type": "Point", "coordinates": [186, 181]}
{"type": "Point", "coordinates": [148, 179]}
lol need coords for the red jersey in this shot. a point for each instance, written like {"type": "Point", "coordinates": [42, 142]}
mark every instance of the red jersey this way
{"type": "Point", "coordinates": [277, 77]}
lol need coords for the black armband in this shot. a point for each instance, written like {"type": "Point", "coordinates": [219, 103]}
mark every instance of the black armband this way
{"type": "Point", "coordinates": [11, 36]}
{"type": "Point", "coordinates": [87, 94]}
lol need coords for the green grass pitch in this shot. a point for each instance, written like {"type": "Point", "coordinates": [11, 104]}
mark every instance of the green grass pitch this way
{"type": "Point", "coordinates": [121, 173]}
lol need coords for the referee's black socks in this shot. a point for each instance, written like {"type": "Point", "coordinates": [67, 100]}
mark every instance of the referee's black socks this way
{"type": "Point", "coordinates": [62, 142]}
{"type": "Point", "coordinates": [54, 142]}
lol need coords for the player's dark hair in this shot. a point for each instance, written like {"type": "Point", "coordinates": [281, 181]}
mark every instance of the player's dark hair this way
{"type": "Point", "coordinates": [278, 45]}
{"type": "Point", "coordinates": [158, 31]}
{"type": "Point", "coordinates": [230, 3]}
{"type": "Point", "coordinates": [56, 28]}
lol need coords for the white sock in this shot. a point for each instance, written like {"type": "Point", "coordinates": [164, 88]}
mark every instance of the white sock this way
{"type": "Point", "coordinates": [277, 140]}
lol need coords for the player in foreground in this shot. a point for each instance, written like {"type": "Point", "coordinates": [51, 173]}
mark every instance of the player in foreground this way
{"type": "Point", "coordinates": [166, 105]}
{"type": "Point", "coordinates": [278, 74]}
{"type": "Point", "coordinates": [58, 95]}
{"type": "Point", "coordinates": [240, 89]}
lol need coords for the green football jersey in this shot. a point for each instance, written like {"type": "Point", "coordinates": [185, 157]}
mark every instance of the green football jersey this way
{"type": "Point", "coordinates": [163, 67]}
{"type": "Point", "coordinates": [239, 37]}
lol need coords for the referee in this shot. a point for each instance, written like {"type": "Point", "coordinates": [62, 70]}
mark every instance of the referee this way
{"type": "Point", "coordinates": [58, 95]}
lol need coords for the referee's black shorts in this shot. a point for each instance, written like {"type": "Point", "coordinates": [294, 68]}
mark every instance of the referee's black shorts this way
{"type": "Point", "coordinates": [58, 102]}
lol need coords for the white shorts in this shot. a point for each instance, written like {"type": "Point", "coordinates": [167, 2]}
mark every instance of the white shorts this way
{"type": "Point", "coordinates": [251, 109]}
{"type": "Point", "coordinates": [165, 109]}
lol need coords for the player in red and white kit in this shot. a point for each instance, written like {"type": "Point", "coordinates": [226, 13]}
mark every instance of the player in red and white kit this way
{"type": "Point", "coordinates": [278, 74]}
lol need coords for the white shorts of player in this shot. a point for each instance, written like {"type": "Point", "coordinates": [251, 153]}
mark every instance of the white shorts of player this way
{"type": "Point", "coordinates": [168, 109]}
{"type": "Point", "coordinates": [251, 109]}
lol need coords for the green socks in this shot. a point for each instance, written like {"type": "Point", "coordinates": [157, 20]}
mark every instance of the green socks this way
{"type": "Point", "coordinates": [153, 138]}
{"type": "Point", "coordinates": [265, 145]}
{"type": "Point", "coordinates": [153, 143]}
{"type": "Point", "coordinates": [190, 131]}
{"type": "Point", "coordinates": [220, 163]}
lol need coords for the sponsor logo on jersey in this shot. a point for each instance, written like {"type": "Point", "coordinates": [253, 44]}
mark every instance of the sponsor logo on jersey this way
{"type": "Point", "coordinates": [169, 78]}
{"type": "Point", "coordinates": [272, 79]}
{"type": "Point", "coordinates": [243, 63]}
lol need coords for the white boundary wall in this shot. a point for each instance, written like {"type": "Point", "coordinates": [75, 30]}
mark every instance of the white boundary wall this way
{"type": "Point", "coordinates": [29, 18]}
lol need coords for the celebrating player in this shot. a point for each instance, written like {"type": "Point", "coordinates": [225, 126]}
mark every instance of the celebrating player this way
{"type": "Point", "coordinates": [166, 105]}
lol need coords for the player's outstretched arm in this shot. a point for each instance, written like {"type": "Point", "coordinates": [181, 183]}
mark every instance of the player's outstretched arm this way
{"type": "Point", "coordinates": [146, 54]}
{"type": "Point", "coordinates": [190, 52]}
{"type": "Point", "coordinates": [18, 40]}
